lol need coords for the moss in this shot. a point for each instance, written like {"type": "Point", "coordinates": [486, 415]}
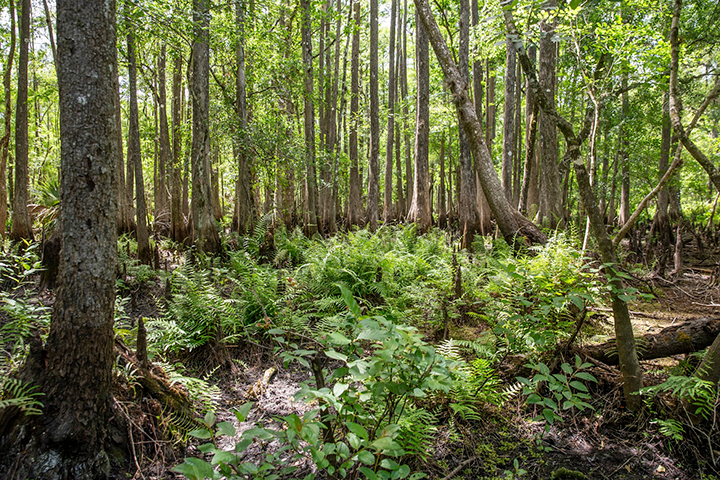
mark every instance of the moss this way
{"type": "Point", "coordinates": [567, 474]}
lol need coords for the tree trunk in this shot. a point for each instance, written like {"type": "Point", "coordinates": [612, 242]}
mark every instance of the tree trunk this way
{"type": "Point", "coordinates": [373, 198]}
{"type": "Point", "coordinates": [205, 233]}
{"type": "Point", "coordinates": [442, 211]}
{"type": "Point", "coordinates": [469, 214]}
{"type": "Point", "coordinates": [244, 195]}
{"type": "Point", "coordinates": [354, 207]}
{"type": "Point", "coordinates": [420, 205]}
{"type": "Point", "coordinates": [79, 361]}
{"type": "Point", "coordinates": [135, 156]}
{"type": "Point", "coordinates": [311, 217]}
{"type": "Point", "coordinates": [624, 159]}
{"type": "Point", "coordinates": [388, 207]}
{"type": "Point", "coordinates": [21, 224]}
{"type": "Point", "coordinates": [550, 207]}
{"type": "Point", "coordinates": [509, 120]}
{"type": "Point", "coordinates": [178, 229]}
{"type": "Point", "coordinates": [507, 217]}
{"type": "Point", "coordinates": [530, 170]}
{"type": "Point", "coordinates": [687, 337]}
{"type": "Point", "coordinates": [162, 207]}
{"type": "Point", "coordinates": [5, 142]}
{"type": "Point", "coordinates": [405, 113]}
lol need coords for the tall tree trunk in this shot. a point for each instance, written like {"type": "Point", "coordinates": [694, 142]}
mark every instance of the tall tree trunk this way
{"type": "Point", "coordinates": [406, 113]}
{"type": "Point", "coordinates": [178, 229]}
{"type": "Point", "coordinates": [550, 206]}
{"type": "Point", "coordinates": [508, 120]}
{"type": "Point", "coordinates": [79, 360]}
{"type": "Point", "coordinates": [5, 142]}
{"type": "Point", "coordinates": [135, 156]}
{"type": "Point", "coordinates": [530, 171]}
{"type": "Point", "coordinates": [661, 224]}
{"type": "Point", "coordinates": [442, 210]}
{"type": "Point", "coordinates": [21, 224]}
{"type": "Point", "coordinates": [244, 195]}
{"type": "Point", "coordinates": [373, 199]}
{"type": "Point", "coordinates": [311, 217]}
{"type": "Point", "coordinates": [388, 207]}
{"type": "Point", "coordinates": [205, 233]}
{"type": "Point", "coordinates": [354, 207]}
{"type": "Point", "coordinates": [420, 205]}
{"type": "Point", "coordinates": [469, 213]}
{"type": "Point", "coordinates": [162, 207]}
{"type": "Point", "coordinates": [624, 158]}
{"type": "Point", "coordinates": [125, 221]}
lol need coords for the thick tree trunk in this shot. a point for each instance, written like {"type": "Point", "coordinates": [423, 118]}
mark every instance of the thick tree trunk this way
{"type": "Point", "coordinates": [687, 337]}
{"type": "Point", "coordinates": [78, 366]}
{"type": "Point", "coordinates": [354, 206]}
{"type": "Point", "coordinates": [205, 233]}
{"type": "Point", "coordinates": [503, 211]}
{"type": "Point", "coordinates": [420, 206]}
{"type": "Point", "coordinates": [530, 170]}
{"type": "Point", "coordinates": [550, 207]}
{"type": "Point", "coordinates": [21, 224]}
{"type": "Point", "coordinates": [405, 112]}
{"type": "Point", "coordinates": [469, 214]}
{"type": "Point", "coordinates": [135, 157]}
{"type": "Point", "coordinates": [5, 142]}
{"type": "Point", "coordinates": [310, 214]}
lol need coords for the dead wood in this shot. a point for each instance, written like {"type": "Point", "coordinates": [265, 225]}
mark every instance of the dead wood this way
{"type": "Point", "coordinates": [688, 337]}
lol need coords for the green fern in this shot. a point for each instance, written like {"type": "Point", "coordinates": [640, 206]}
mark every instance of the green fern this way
{"type": "Point", "coordinates": [417, 432]}
{"type": "Point", "coordinates": [15, 393]}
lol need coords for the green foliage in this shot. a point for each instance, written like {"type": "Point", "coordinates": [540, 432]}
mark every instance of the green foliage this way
{"type": "Point", "coordinates": [565, 391]}
{"type": "Point", "coordinates": [701, 394]}
{"type": "Point", "coordinates": [15, 393]}
{"type": "Point", "coordinates": [200, 390]}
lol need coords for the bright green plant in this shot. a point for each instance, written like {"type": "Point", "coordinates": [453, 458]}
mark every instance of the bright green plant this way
{"type": "Point", "coordinates": [565, 391]}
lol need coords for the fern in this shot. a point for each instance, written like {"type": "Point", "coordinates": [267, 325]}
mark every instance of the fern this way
{"type": "Point", "coordinates": [703, 394]}
{"type": "Point", "coordinates": [417, 432]}
{"type": "Point", "coordinates": [15, 393]}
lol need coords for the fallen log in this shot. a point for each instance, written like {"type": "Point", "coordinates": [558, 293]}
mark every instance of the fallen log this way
{"type": "Point", "coordinates": [688, 337]}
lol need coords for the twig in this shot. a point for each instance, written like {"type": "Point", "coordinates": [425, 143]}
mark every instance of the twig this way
{"type": "Point", "coordinates": [457, 469]}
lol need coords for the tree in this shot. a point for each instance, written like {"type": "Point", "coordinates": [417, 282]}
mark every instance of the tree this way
{"type": "Point", "coordinates": [388, 207]}
{"type": "Point", "coordinates": [311, 218]}
{"type": "Point", "coordinates": [5, 142]}
{"type": "Point", "coordinates": [205, 233]}
{"type": "Point", "coordinates": [354, 207]}
{"type": "Point", "coordinates": [162, 209]}
{"type": "Point", "coordinates": [135, 157]}
{"type": "Point", "coordinates": [79, 353]}
{"type": "Point", "coordinates": [244, 196]}
{"type": "Point", "coordinates": [22, 225]}
{"type": "Point", "coordinates": [178, 230]}
{"type": "Point", "coordinates": [373, 200]}
{"type": "Point", "coordinates": [509, 144]}
{"type": "Point", "coordinates": [420, 205]}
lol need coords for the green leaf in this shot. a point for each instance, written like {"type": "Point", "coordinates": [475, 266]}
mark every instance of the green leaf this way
{"type": "Point", "coordinates": [336, 355]}
{"type": "Point", "coordinates": [586, 376]}
{"type": "Point", "coordinates": [350, 300]}
{"type": "Point", "coordinates": [202, 433]}
{"type": "Point", "coordinates": [223, 457]}
{"type": "Point", "coordinates": [209, 419]}
{"type": "Point", "coordinates": [575, 3]}
{"type": "Point", "coordinates": [369, 474]}
{"type": "Point", "coordinates": [242, 412]}
{"type": "Point", "coordinates": [373, 334]}
{"type": "Point", "coordinates": [566, 368]}
{"type": "Point", "coordinates": [366, 457]}
{"type": "Point", "coordinates": [226, 428]}
{"type": "Point", "coordinates": [340, 388]}
{"type": "Point", "coordinates": [578, 386]}
{"type": "Point", "coordinates": [338, 339]}
{"type": "Point", "coordinates": [358, 430]}
{"type": "Point", "coordinates": [195, 469]}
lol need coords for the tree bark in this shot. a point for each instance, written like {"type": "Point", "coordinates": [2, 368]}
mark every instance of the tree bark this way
{"type": "Point", "coordinates": [509, 120]}
{"type": "Point", "coordinates": [388, 206]}
{"type": "Point", "coordinates": [687, 337]}
{"type": "Point", "coordinates": [21, 224]}
{"type": "Point", "coordinates": [178, 227]}
{"type": "Point", "coordinates": [354, 207]}
{"type": "Point", "coordinates": [135, 157]}
{"type": "Point", "coordinates": [469, 214]}
{"type": "Point", "coordinates": [79, 362]}
{"type": "Point", "coordinates": [205, 232]}
{"type": "Point", "coordinates": [420, 205]}
{"type": "Point", "coordinates": [373, 198]}
{"type": "Point", "coordinates": [244, 196]}
{"type": "Point", "coordinates": [311, 217]}
{"type": "Point", "coordinates": [162, 209]}
{"type": "Point", "coordinates": [5, 142]}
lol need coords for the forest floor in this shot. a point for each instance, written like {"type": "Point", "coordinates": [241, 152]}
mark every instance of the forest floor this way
{"type": "Point", "coordinates": [606, 443]}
